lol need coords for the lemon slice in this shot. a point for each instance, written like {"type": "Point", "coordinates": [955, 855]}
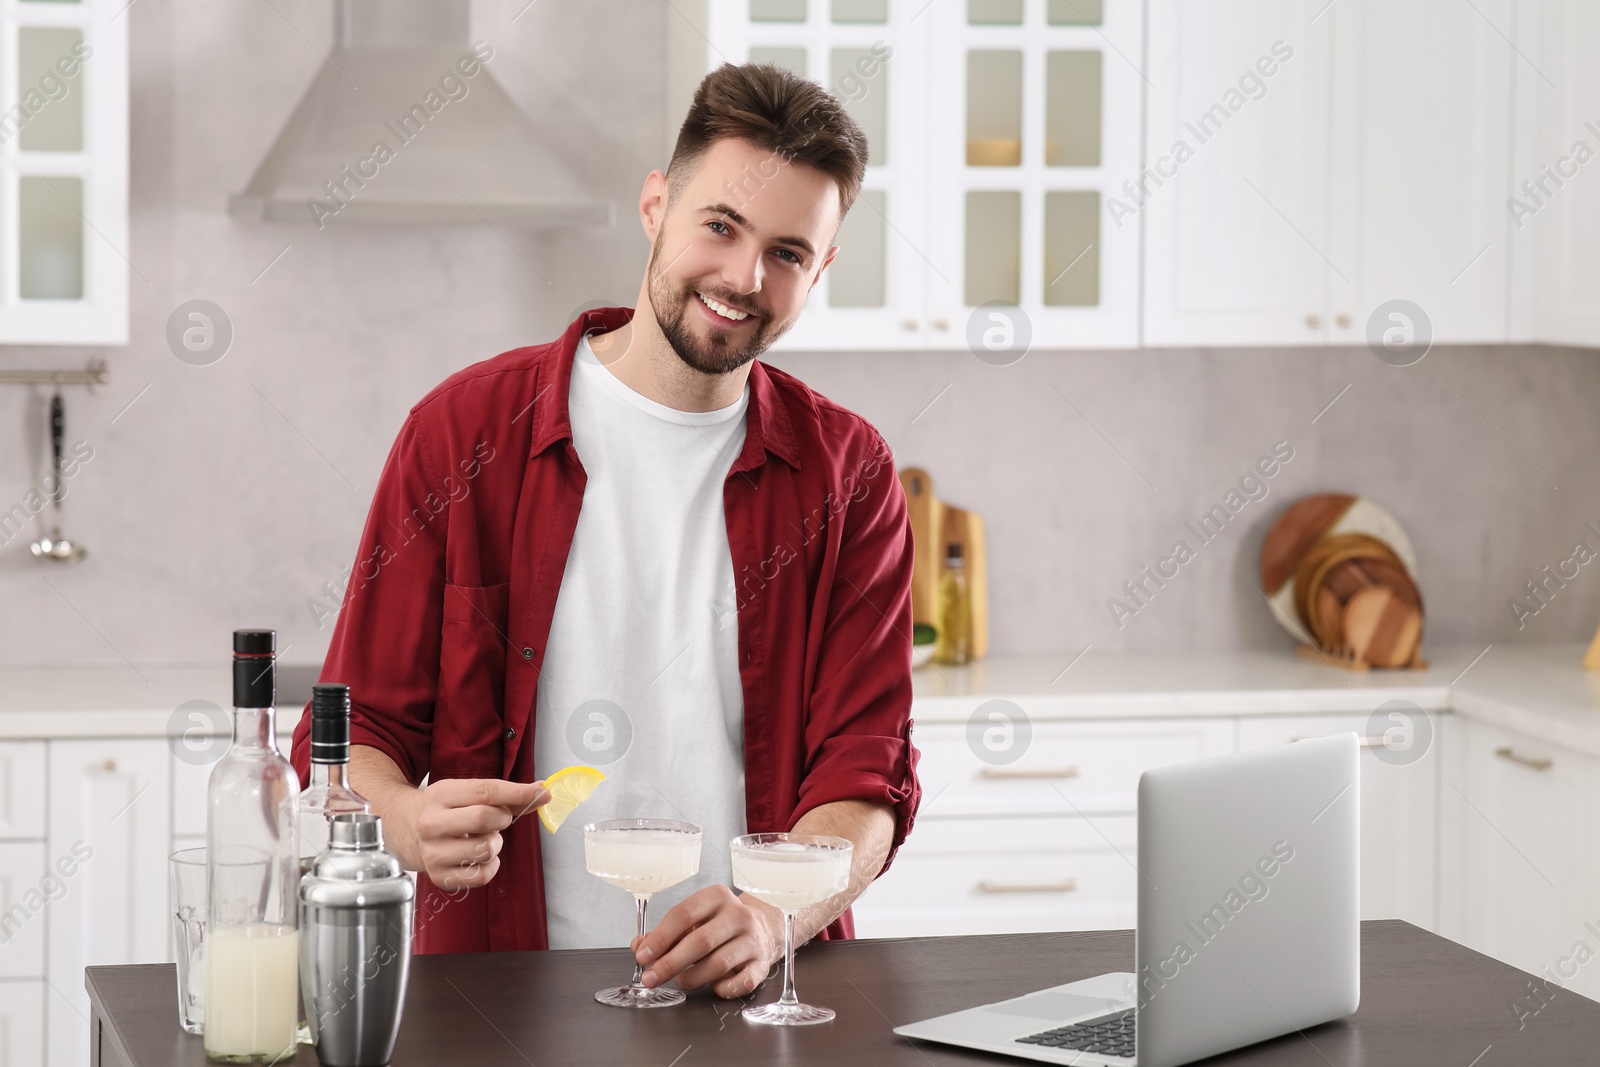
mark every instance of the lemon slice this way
{"type": "Point", "coordinates": [569, 787]}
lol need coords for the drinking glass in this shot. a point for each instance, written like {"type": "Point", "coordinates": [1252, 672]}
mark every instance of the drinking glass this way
{"type": "Point", "coordinates": [642, 856]}
{"type": "Point", "coordinates": [789, 872]}
{"type": "Point", "coordinates": [186, 883]}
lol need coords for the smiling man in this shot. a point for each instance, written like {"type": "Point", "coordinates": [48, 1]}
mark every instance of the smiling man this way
{"type": "Point", "coordinates": [640, 547]}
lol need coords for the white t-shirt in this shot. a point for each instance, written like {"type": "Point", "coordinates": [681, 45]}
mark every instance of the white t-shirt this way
{"type": "Point", "coordinates": [641, 675]}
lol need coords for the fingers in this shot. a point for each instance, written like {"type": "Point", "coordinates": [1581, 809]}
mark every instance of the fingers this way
{"type": "Point", "coordinates": [724, 964]}
{"type": "Point", "coordinates": [679, 920]}
{"type": "Point", "coordinates": [463, 862]}
{"type": "Point", "coordinates": [727, 929]}
{"type": "Point", "coordinates": [516, 797]}
{"type": "Point", "coordinates": [437, 821]}
{"type": "Point", "coordinates": [742, 983]}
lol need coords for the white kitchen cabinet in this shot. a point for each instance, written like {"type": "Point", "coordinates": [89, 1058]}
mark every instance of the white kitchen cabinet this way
{"type": "Point", "coordinates": [1523, 811]}
{"type": "Point", "coordinates": [1554, 210]}
{"type": "Point", "coordinates": [22, 1022]}
{"type": "Point", "coordinates": [64, 236]}
{"type": "Point", "coordinates": [1046, 841]}
{"type": "Point", "coordinates": [1235, 205]}
{"type": "Point", "coordinates": [1007, 875]}
{"type": "Point", "coordinates": [1421, 145]}
{"type": "Point", "coordinates": [26, 888]}
{"type": "Point", "coordinates": [109, 799]}
{"type": "Point", "coordinates": [21, 786]}
{"type": "Point", "coordinates": [1399, 803]}
{"type": "Point", "coordinates": [1314, 162]}
{"type": "Point", "coordinates": [1066, 768]}
{"type": "Point", "coordinates": [998, 130]}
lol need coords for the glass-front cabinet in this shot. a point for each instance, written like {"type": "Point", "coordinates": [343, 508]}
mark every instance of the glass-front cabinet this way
{"type": "Point", "coordinates": [63, 172]}
{"type": "Point", "coordinates": [1000, 132]}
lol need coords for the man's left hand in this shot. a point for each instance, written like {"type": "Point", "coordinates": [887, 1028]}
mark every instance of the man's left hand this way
{"type": "Point", "coordinates": [714, 938]}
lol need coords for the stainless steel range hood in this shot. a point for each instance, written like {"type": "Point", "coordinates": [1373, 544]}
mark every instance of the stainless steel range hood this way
{"type": "Point", "coordinates": [394, 131]}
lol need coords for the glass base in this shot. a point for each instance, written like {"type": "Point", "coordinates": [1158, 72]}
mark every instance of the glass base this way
{"type": "Point", "coordinates": [780, 1014]}
{"type": "Point", "coordinates": [637, 996]}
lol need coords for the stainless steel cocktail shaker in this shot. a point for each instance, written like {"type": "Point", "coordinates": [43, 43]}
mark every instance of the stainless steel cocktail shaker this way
{"type": "Point", "coordinates": [355, 944]}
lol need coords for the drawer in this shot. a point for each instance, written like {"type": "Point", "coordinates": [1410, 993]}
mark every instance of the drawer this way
{"type": "Point", "coordinates": [1066, 768]}
{"type": "Point", "coordinates": [24, 894]}
{"type": "Point", "coordinates": [22, 766]}
{"type": "Point", "coordinates": [970, 876]}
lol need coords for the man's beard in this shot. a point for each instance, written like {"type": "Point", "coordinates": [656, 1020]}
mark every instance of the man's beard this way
{"type": "Point", "coordinates": [719, 354]}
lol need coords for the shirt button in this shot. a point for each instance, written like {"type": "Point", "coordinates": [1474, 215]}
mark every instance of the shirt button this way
{"type": "Point", "coordinates": [527, 653]}
{"type": "Point", "coordinates": [510, 733]}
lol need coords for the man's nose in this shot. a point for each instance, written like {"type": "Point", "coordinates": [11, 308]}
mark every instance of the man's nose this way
{"type": "Point", "coordinates": [744, 274]}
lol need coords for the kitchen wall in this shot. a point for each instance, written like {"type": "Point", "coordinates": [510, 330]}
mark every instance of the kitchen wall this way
{"type": "Point", "coordinates": [227, 495]}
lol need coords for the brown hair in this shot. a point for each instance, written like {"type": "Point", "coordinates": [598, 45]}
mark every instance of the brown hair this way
{"type": "Point", "coordinates": [772, 108]}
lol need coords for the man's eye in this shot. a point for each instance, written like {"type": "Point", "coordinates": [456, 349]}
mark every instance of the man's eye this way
{"type": "Point", "coordinates": [719, 222]}
{"type": "Point", "coordinates": [792, 257]}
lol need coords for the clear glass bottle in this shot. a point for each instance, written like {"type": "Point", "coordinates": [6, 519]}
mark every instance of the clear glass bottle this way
{"type": "Point", "coordinates": [253, 871]}
{"type": "Point", "coordinates": [328, 792]}
{"type": "Point", "coordinates": [954, 642]}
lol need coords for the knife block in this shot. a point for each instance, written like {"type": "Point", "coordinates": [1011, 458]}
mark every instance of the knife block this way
{"type": "Point", "coordinates": [935, 524]}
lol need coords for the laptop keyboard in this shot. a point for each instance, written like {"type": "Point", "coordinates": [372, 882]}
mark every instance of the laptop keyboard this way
{"type": "Point", "coordinates": [1110, 1035]}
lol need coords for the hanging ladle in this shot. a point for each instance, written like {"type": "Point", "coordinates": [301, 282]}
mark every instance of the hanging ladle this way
{"type": "Point", "coordinates": [55, 547]}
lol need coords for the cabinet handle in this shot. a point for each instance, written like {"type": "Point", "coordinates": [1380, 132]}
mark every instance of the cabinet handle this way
{"type": "Point", "coordinates": [1343, 321]}
{"type": "Point", "coordinates": [1314, 321]}
{"type": "Point", "coordinates": [1526, 761]}
{"type": "Point", "coordinates": [1009, 773]}
{"type": "Point", "coordinates": [908, 324]}
{"type": "Point", "coordinates": [110, 766]}
{"type": "Point", "coordinates": [1364, 742]}
{"type": "Point", "coordinates": [1066, 885]}
{"type": "Point", "coordinates": [941, 324]}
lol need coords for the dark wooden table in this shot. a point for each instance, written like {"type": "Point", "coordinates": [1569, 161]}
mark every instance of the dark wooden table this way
{"type": "Point", "coordinates": [1424, 1000]}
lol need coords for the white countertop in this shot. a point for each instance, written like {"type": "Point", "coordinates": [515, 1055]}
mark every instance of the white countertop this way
{"type": "Point", "coordinates": [1541, 690]}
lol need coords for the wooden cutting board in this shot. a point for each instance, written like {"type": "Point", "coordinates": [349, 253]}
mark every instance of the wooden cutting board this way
{"type": "Point", "coordinates": [935, 524]}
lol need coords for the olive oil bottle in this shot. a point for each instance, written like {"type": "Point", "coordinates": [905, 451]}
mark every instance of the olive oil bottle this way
{"type": "Point", "coordinates": [954, 642]}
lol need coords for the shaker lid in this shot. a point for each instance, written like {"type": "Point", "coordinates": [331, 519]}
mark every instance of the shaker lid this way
{"type": "Point", "coordinates": [355, 830]}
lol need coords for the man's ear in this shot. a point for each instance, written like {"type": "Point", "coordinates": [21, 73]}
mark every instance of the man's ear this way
{"type": "Point", "coordinates": [653, 204]}
{"type": "Point", "coordinates": [825, 261]}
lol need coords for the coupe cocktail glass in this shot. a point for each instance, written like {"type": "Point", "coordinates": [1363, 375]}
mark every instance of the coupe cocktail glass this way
{"type": "Point", "coordinates": [790, 872]}
{"type": "Point", "coordinates": [643, 856]}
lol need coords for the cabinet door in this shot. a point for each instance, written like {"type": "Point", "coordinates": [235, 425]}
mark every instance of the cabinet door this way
{"type": "Point", "coordinates": [1555, 192]}
{"type": "Point", "coordinates": [64, 175]}
{"type": "Point", "coordinates": [1034, 117]}
{"type": "Point", "coordinates": [21, 786]}
{"type": "Point", "coordinates": [22, 1022]}
{"type": "Point", "coordinates": [109, 799]}
{"type": "Point", "coordinates": [870, 54]}
{"type": "Point", "coordinates": [1234, 197]}
{"type": "Point", "coordinates": [1398, 805]}
{"type": "Point", "coordinates": [1525, 809]}
{"type": "Point", "coordinates": [1422, 139]}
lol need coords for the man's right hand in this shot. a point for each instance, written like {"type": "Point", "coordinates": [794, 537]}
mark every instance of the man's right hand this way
{"type": "Point", "coordinates": [450, 830]}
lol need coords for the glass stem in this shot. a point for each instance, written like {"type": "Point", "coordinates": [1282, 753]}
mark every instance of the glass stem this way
{"type": "Point", "coordinates": [788, 997]}
{"type": "Point", "coordinates": [638, 971]}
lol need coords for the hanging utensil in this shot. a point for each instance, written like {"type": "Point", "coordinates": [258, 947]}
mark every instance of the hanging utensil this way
{"type": "Point", "coordinates": [55, 547]}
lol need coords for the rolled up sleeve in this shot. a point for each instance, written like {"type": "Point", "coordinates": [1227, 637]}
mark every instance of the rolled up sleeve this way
{"type": "Point", "coordinates": [386, 638]}
{"type": "Point", "coordinates": [858, 722]}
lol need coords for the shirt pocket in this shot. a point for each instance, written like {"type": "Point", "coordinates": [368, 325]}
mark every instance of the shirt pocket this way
{"type": "Point", "coordinates": [469, 714]}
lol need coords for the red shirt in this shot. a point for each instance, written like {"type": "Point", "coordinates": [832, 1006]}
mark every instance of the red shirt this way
{"type": "Point", "coordinates": [445, 619]}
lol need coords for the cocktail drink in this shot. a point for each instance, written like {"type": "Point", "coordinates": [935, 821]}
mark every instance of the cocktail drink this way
{"type": "Point", "coordinates": [642, 856]}
{"type": "Point", "coordinates": [790, 872]}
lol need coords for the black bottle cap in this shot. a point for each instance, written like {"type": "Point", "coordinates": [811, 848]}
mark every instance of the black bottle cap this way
{"type": "Point", "coordinates": [330, 722]}
{"type": "Point", "coordinates": [254, 685]}
{"type": "Point", "coordinates": [953, 550]}
{"type": "Point", "coordinates": [255, 642]}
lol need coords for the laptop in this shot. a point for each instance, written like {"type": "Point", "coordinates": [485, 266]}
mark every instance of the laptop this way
{"type": "Point", "coordinates": [1248, 920]}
